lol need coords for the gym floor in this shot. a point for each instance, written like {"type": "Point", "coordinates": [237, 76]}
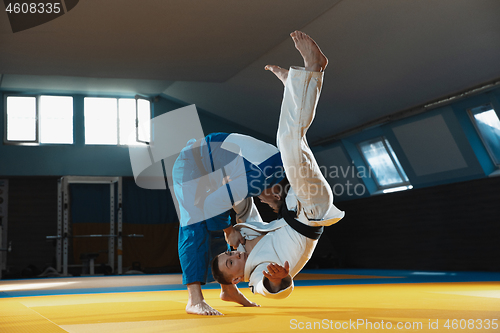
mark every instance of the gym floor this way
{"type": "Point", "coordinates": [341, 300]}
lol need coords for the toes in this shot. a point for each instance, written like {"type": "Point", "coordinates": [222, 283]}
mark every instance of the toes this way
{"type": "Point", "coordinates": [211, 312]}
{"type": "Point", "coordinates": [299, 35]}
{"type": "Point", "coordinates": [271, 68]}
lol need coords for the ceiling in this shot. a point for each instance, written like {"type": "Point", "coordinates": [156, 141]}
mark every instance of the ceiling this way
{"type": "Point", "coordinates": [385, 55]}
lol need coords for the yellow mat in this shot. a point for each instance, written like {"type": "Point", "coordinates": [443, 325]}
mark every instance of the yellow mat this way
{"type": "Point", "coordinates": [360, 308]}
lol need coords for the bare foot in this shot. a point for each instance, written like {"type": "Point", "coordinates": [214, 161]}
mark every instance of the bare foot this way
{"type": "Point", "coordinates": [314, 59]}
{"type": "Point", "coordinates": [230, 293]}
{"type": "Point", "coordinates": [196, 303]}
{"type": "Point", "coordinates": [281, 73]}
{"type": "Point", "coordinates": [202, 308]}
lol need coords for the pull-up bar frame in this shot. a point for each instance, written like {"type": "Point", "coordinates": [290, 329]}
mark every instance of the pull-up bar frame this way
{"type": "Point", "coordinates": [62, 246]}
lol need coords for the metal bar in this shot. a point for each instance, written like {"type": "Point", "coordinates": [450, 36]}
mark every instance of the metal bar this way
{"type": "Point", "coordinates": [93, 236]}
{"type": "Point", "coordinates": [63, 220]}
{"type": "Point", "coordinates": [120, 228]}
{"type": "Point", "coordinates": [96, 236]}
{"type": "Point", "coordinates": [65, 225]}
{"type": "Point", "coordinates": [4, 221]}
{"type": "Point", "coordinates": [111, 241]}
{"type": "Point", "coordinates": [59, 226]}
{"type": "Point", "coordinates": [90, 180]}
{"type": "Point", "coordinates": [1, 250]}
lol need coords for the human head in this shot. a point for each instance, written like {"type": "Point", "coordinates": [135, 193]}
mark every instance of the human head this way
{"type": "Point", "coordinates": [229, 267]}
{"type": "Point", "coordinates": [275, 195]}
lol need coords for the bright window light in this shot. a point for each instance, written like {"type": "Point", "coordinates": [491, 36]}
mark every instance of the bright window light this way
{"type": "Point", "coordinates": [127, 120]}
{"type": "Point", "coordinates": [144, 120]}
{"type": "Point", "coordinates": [34, 286]}
{"type": "Point", "coordinates": [126, 116]}
{"type": "Point", "coordinates": [383, 163]}
{"type": "Point", "coordinates": [397, 189]}
{"type": "Point", "coordinates": [21, 118]}
{"type": "Point", "coordinates": [101, 121]}
{"type": "Point", "coordinates": [56, 119]}
{"type": "Point", "coordinates": [488, 126]}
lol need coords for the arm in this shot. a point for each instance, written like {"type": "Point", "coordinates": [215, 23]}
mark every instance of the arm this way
{"type": "Point", "coordinates": [246, 211]}
{"type": "Point", "coordinates": [277, 277]}
{"type": "Point", "coordinates": [233, 237]}
{"type": "Point", "coordinates": [260, 284]}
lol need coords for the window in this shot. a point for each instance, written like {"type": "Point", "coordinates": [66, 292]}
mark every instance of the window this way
{"type": "Point", "coordinates": [384, 165]}
{"type": "Point", "coordinates": [143, 120]}
{"type": "Point", "coordinates": [101, 121]}
{"type": "Point", "coordinates": [111, 121]}
{"type": "Point", "coordinates": [488, 126]}
{"type": "Point", "coordinates": [127, 118]}
{"type": "Point", "coordinates": [48, 119]}
{"type": "Point", "coordinates": [39, 119]}
{"type": "Point", "coordinates": [56, 119]}
{"type": "Point", "coordinates": [21, 119]}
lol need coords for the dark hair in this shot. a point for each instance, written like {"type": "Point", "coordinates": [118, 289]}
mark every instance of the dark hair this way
{"type": "Point", "coordinates": [283, 188]}
{"type": "Point", "coordinates": [217, 273]}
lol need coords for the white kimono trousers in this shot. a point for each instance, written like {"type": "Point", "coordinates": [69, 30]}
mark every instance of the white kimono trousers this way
{"type": "Point", "coordinates": [309, 195]}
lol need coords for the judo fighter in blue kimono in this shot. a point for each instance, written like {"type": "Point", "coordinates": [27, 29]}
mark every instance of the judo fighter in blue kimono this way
{"type": "Point", "coordinates": [210, 176]}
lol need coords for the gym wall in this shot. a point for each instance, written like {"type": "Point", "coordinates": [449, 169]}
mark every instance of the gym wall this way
{"type": "Point", "coordinates": [441, 228]}
{"type": "Point", "coordinates": [79, 159]}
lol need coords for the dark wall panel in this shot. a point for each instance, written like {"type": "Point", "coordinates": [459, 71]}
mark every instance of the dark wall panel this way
{"type": "Point", "coordinates": [32, 217]}
{"type": "Point", "coordinates": [447, 227]}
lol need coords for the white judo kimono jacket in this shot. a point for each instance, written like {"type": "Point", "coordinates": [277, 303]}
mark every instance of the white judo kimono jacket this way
{"type": "Point", "coordinates": [310, 195]}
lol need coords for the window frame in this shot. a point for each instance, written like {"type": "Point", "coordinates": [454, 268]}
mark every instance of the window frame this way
{"type": "Point", "coordinates": [137, 98]}
{"type": "Point", "coordinates": [39, 101]}
{"type": "Point", "coordinates": [478, 131]}
{"type": "Point", "coordinates": [35, 142]}
{"type": "Point", "coordinates": [119, 142]}
{"type": "Point", "coordinates": [397, 164]}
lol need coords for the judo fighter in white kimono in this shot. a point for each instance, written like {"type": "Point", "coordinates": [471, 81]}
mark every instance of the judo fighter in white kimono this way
{"type": "Point", "coordinates": [275, 252]}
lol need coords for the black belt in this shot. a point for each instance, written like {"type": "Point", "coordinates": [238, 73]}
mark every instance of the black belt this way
{"type": "Point", "coordinates": [303, 229]}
